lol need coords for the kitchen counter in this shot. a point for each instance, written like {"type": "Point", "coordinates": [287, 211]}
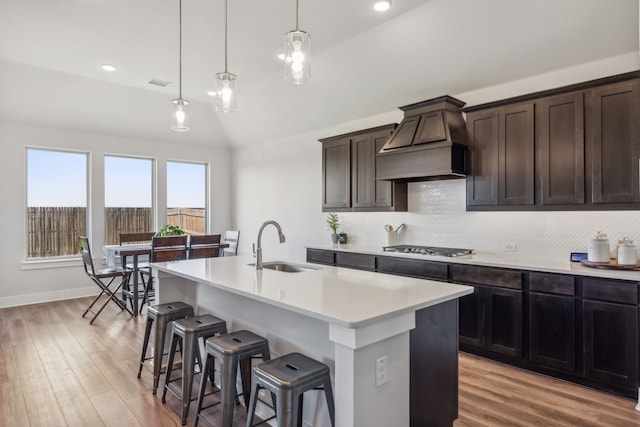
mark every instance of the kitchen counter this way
{"type": "Point", "coordinates": [496, 260]}
{"type": "Point", "coordinates": [346, 318]}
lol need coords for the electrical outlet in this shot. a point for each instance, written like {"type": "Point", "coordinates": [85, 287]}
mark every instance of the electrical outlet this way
{"type": "Point", "coordinates": [381, 371]}
{"type": "Point", "coordinates": [510, 247]}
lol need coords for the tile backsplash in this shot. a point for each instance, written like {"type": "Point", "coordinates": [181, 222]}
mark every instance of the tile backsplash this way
{"type": "Point", "coordinates": [437, 216]}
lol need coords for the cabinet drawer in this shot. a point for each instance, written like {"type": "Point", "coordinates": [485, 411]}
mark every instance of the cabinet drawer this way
{"type": "Point", "coordinates": [351, 260]}
{"type": "Point", "coordinates": [621, 291]}
{"type": "Point", "coordinates": [413, 267]}
{"type": "Point", "coordinates": [321, 257]}
{"type": "Point", "coordinates": [486, 276]}
{"type": "Point", "coordinates": [552, 283]}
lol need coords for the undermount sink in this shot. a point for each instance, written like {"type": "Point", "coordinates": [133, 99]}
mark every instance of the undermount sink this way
{"type": "Point", "coordinates": [287, 267]}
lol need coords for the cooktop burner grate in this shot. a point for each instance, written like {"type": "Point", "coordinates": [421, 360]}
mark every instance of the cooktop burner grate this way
{"type": "Point", "coordinates": [428, 250]}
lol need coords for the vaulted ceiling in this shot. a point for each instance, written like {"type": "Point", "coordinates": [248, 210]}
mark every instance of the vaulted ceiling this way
{"type": "Point", "coordinates": [363, 63]}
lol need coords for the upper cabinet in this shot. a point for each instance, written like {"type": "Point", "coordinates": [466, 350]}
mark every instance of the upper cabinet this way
{"type": "Point", "coordinates": [349, 171]}
{"type": "Point", "coordinates": [572, 148]}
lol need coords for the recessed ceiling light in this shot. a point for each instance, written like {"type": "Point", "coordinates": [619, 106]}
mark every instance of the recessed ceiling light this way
{"type": "Point", "coordinates": [382, 6]}
{"type": "Point", "coordinates": [108, 67]}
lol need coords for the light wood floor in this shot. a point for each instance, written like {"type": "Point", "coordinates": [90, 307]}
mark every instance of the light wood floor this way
{"type": "Point", "coordinates": [57, 370]}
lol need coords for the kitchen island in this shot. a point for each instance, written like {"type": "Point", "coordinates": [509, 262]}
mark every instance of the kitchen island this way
{"type": "Point", "coordinates": [354, 321]}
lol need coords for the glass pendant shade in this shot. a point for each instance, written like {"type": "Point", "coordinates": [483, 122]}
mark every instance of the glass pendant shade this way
{"type": "Point", "coordinates": [226, 92]}
{"type": "Point", "coordinates": [297, 54]}
{"type": "Point", "coordinates": [179, 117]}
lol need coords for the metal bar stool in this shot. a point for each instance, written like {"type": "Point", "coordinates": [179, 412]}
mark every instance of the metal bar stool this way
{"type": "Point", "coordinates": [188, 331]}
{"type": "Point", "coordinates": [161, 315]}
{"type": "Point", "coordinates": [288, 377]}
{"type": "Point", "coordinates": [232, 350]}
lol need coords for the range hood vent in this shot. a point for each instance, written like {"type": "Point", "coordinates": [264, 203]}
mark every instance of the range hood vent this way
{"type": "Point", "coordinates": [429, 144]}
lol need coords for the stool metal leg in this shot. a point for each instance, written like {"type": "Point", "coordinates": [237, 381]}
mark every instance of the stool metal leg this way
{"type": "Point", "coordinates": [251, 408]}
{"type": "Point", "coordinates": [158, 349]}
{"type": "Point", "coordinates": [208, 368]}
{"type": "Point", "coordinates": [167, 375]}
{"type": "Point", "coordinates": [228, 373]}
{"type": "Point", "coordinates": [188, 356]}
{"type": "Point", "coordinates": [145, 344]}
{"type": "Point", "coordinates": [287, 408]}
{"type": "Point", "coordinates": [328, 392]}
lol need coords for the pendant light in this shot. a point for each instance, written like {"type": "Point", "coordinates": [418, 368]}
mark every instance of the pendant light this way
{"type": "Point", "coordinates": [226, 82]}
{"type": "Point", "coordinates": [179, 118]}
{"type": "Point", "coordinates": [297, 53]}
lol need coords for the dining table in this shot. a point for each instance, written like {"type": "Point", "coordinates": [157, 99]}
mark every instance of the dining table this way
{"type": "Point", "coordinates": [134, 251]}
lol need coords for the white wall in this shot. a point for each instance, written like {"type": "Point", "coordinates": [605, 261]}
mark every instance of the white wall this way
{"type": "Point", "coordinates": [281, 180]}
{"type": "Point", "coordinates": [24, 283]}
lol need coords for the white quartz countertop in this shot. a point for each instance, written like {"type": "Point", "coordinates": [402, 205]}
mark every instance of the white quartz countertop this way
{"type": "Point", "coordinates": [497, 260]}
{"type": "Point", "coordinates": [341, 296]}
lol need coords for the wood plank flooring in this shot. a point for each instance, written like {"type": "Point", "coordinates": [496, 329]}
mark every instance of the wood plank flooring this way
{"type": "Point", "coordinates": [57, 370]}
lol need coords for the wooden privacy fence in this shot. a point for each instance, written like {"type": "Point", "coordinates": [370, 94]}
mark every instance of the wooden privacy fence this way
{"type": "Point", "coordinates": [54, 231]}
{"type": "Point", "coordinates": [190, 220]}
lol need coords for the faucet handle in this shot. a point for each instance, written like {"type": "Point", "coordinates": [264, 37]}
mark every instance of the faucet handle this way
{"type": "Point", "coordinates": [254, 250]}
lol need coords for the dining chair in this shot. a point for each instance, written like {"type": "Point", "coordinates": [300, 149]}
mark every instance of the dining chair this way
{"type": "Point", "coordinates": [206, 246]}
{"type": "Point", "coordinates": [232, 237]}
{"type": "Point", "coordinates": [105, 279]}
{"type": "Point", "coordinates": [137, 238]}
{"type": "Point", "coordinates": [167, 248]}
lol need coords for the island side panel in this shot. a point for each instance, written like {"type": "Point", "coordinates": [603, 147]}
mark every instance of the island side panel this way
{"type": "Point", "coordinates": [434, 366]}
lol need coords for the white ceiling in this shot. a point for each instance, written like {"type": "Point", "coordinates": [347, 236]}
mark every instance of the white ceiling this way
{"type": "Point", "coordinates": [363, 63]}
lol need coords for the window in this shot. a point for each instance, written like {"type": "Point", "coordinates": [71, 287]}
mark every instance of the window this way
{"type": "Point", "coordinates": [128, 195]}
{"type": "Point", "coordinates": [56, 202]}
{"type": "Point", "coordinates": [187, 196]}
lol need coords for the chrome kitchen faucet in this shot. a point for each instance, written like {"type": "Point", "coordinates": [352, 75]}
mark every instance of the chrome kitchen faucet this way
{"type": "Point", "coordinates": [257, 252]}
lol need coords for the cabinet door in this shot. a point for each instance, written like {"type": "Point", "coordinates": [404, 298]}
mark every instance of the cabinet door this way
{"type": "Point", "coordinates": [353, 260]}
{"type": "Point", "coordinates": [362, 171]}
{"type": "Point", "coordinates": [320, 256]}
{"type": "Point", "coordinates": [384, 191]}
{"type": "Point", "coordinates": [560, 146]}
{"type": "Point", "coordinates": [516, 155]}
{"type": "Point", "coordinates": [471, 318]}
{"type": "Point", "coordinates": [610, 342]}
{"type": "Point", "coordinates": [552, 324]}
{"type": "Point", "coordinates": [413, 268]}
{"type": "Point", "coordinates": [482, 182]}
{"type": "Point", "coordinates": [431, 128]}
{"type": "Point", "coordinates": [615, 143]}
{"type": "Point", "coordinates": [503, 321]}
{"type": "Point", "coordinates": [336, 174]}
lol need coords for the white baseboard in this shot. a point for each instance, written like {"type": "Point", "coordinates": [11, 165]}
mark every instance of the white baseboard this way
{"type": "Point", "coordinates": [17, 300]}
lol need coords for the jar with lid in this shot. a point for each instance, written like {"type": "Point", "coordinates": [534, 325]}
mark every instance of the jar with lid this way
{"type": "Point", "coordinates": [627, 254]}
{"type": "Point", "coordinates": [598, 250]}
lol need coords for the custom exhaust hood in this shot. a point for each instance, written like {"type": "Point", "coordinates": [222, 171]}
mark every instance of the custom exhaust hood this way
{"type": "Point", "coordinates": [429, 144]}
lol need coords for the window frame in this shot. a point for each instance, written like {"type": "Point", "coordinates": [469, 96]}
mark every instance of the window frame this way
{"type": "Point", "coordinates": [207, 186]}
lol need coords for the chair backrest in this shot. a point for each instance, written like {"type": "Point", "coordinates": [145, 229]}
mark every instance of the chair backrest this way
{"type": "Point", "coordinates": [231, 237]}
{"type": "Point", "coordinates": [204, 246]}
{"type": "Point", "coordinates": [87, 259]}
{"type": "Point", "coordinates": [136, 237]}
{"type": "Point", "coordinates": [169, 248]}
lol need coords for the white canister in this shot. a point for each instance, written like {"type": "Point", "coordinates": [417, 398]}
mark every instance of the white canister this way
{"type": "Point", "coordinates": [627, 254]}
{"type": "Point", "coordinates": [598, 250]}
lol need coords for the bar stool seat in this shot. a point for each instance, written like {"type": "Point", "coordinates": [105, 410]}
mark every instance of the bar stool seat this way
{"type": "Point", "coordinates": [288, 377]}
{"type": "Point", "coordinates": [161, 315]}
{"type": "Point", "coordinates": [232, 350]}
{"type": "Point", "coordinates": [188, 331]}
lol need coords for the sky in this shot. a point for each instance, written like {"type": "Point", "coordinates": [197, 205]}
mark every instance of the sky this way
{"type": "Point", "coordinates": [57, 178]}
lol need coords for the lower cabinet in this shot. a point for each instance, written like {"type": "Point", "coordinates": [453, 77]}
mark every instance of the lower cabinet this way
{"type": "Point", "coordinates": [610, 342]}
{"type": "Point", "coordinates": [491, 320]}
{"type": "Point", "coordinates": [552, 331]}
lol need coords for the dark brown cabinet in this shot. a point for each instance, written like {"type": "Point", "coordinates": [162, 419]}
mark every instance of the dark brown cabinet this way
{"type": "Point", "coordinates": [413, 267]}
{"type": "Point", "coordinates": [560, 148]}
{"type": "Point", "coordinates": [615, 143]}
{"type": "Point", "coordinates": [353, 260]}
{"type": "Point", "coordinates": [349, 171]}
{"type": "Point", "coordinates": [610, 331]}
{"type": "Point", "coordinates": [491, 317]}
{"type": "Point", "coordinates": [571, 148]}
{"type": "Point", "coordinates": [501, 156]}
{"type": "Point", "coordinates": [320, 256]}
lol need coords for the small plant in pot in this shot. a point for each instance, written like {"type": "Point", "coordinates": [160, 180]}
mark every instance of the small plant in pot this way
{"type": "Point", "coordinates": [333, 222]}
{"type": "Point", "coordinates": [169, 230]}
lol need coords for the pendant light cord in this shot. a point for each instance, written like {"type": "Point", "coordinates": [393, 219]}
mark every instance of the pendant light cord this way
{"type": "Point", "coordinates": [225, 35]}
{"type": "Point", "coordinates": [297, 13]}
{"type": "Point", "coordinates": [180, 54]}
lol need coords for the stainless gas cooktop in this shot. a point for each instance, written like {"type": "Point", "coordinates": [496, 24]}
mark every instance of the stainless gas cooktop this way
{"type": "Point", "coordinates": [428, 250]}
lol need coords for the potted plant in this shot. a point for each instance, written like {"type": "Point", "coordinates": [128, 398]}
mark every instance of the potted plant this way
{"type": "Point", "coordinates": [169, 230]}
{"type": "Point", "coordinates": [333, 222]}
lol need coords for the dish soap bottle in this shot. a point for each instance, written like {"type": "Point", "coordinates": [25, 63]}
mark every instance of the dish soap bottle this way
{"type": "Point", "coordinates": [598, 250]}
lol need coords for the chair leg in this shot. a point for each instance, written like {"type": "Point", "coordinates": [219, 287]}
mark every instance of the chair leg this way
{"type": "Point", "coordinates": [208, 366]}
{"type": "Point", "coordinates": [328, 392]}
{"type": "Point", "coordinates": [167, 374]}
{"type": "Point", "coordinates": [145, 344]}
{"type": "Point", "coordinates": [251, 408]}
